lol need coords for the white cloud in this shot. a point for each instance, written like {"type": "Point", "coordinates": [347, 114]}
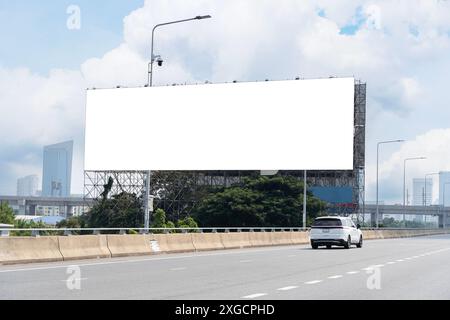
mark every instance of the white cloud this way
{"type": "Point", "coordinates": [251, 40]}
{"type": "Point", "coordinates": [434, 145]}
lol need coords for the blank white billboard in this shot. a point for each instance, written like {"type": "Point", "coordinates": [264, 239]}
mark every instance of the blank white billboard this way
{"type": "Point", "coordinates": [271, 125]}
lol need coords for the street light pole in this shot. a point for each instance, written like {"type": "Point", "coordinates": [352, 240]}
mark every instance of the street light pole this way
{"type": "Point", "coordinates": [378, 149]}
{"type": "Point", "coordinates": [444, 213]}
{"type": "Point", "coordinates": [404, 185]}
{"type": "Point", "coordinates": [150, 84]}
{"type": "Point", "coordinates": [153, 57]}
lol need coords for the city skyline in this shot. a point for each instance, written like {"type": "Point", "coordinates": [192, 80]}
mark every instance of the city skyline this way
{"type": "Point", "coordinates": [57, 169]}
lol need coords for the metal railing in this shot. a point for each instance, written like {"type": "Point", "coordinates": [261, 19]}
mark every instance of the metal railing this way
{"type": "Point", "coordinates": [96, 231]}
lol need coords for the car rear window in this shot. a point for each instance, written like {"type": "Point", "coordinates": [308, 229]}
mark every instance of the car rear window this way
{"type": "Point", "coordinates": [327, 223]}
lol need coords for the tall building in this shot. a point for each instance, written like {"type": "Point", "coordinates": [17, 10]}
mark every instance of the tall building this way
{"type": "Point", "coordinates": [444, 186]}
{"type": "Point", "coordinates": [422, 195]}
{"type": "Point", "coordinates": [28, 186]}
{"type": "Point", "coordinates": [57, 170]}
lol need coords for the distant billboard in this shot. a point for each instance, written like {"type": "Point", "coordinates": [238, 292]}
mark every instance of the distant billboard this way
{"type": "Point", "coordinates": [271, 125]}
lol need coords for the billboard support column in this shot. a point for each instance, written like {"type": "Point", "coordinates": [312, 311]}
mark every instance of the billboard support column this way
{"type": "Point", "coordinates": [146, 202]}
{"type": "Point", "coordinates": [304, 201]}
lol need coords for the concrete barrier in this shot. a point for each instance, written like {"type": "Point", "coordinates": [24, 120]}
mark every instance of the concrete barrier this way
{"type": "Point", "coordinates": [173, 242]}
{"type": "Point", "coordinates": [46, 249]}
{"type": "Point", "coordinates": [235, 240]}
{"type": "Point", "coordinates": [281, 238]}
{"type": "Point", "coordinates": [29, 249]}
{"type": "Point", "coordinates": [207, 241]}
{"type": "Point", "coordinates": [398, 233]}
{"type": "Point", "coordinates": [260, 239]}
{"type": "Point", "coordinates": [300, 237]}
{"type": "Point", "coordinates": [129, 245]}
{"type": "Point", "coordinates": [368, 234]}
{"type": "Point", "coordinates": [84, 247]}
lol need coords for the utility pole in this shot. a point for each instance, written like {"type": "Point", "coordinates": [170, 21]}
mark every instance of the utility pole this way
{"type": "Point", "coordinates": [378, 149]}
{"type": "Point", "coordinates": [150, 84]}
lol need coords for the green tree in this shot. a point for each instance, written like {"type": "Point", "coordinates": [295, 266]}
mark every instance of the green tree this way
{"type": "Point", "coordinates": [6, 214]}
{"type": "Point", "coordinates": [24, 224]}
{"type": "Point", "coordinates": [258, 201]}
{"type": "Point", "coordinates": [187, 222]}
{"type": "Point", "coordinates": [121, 211]}
{"type": "Point", "coordinates": [159, 219]}
{"type": "Point", "coordinates": [73, 222]}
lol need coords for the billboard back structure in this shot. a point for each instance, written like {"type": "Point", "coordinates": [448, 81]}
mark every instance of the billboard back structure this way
{"type": "Point", "coordinates": [283, 125]}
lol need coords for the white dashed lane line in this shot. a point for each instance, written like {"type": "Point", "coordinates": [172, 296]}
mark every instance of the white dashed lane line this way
{"type": "Point", "coordinates": [352, 272]}
{"type": "Point", "coordinates": [313, 282]}
{"type": "Point", "coordinates": [178, 269]}
{"type": "Point", "coordinates": [255, 295]}
{"type": "Point", "coordinates": [245, 261]}
{"type": "Point", "coordinates": [287, 288]}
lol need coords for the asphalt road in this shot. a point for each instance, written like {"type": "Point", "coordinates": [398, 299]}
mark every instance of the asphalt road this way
{"type": "Point", "coordinates": [410, 268]}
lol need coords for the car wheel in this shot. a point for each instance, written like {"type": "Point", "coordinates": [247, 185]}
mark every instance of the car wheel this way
{"type": "Point", "coordinates": [314, 246]}
{"type": "Point", "coordinates": [348, 244]}
{"type": "Point", "coordinates": [360, 243]}
{"type": "Point", "coordinates": [329, 246]}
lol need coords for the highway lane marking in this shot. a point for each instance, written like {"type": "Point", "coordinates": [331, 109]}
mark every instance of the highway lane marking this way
{"type": "Point", "coordinates": [287, 288]}
{"type": "Point", "coordinates": [408, 258]}
{"type": "Point", "coordinates": [335, 277]}
{"type": "Point", "coordinates": [231, 252]}
{"type": "Point", "coordinates": [367, 269]}
{"type": "Point", "coordinates": [64, 266]}
{"type": "Point", "coordinates": [391, 262]}
{"type": "Point", "coordinates": [352, 272]}
{"type": "Point", "coordinates": [415, 257]}
{"type": "Point", "coordinates": [178, 269]}
{"type": "Point", "coordinates": [245, 261]}
{"type": "Point", "coordinates": [378, 266]}
{"type": "Point", "coordinates": [313, 282]}
{"type": "Point", "coordinates": [400, 260]}
{"type": "Point", "coordinates": [255, 295]}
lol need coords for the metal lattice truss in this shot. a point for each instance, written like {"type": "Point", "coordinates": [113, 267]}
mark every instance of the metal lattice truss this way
{"type": "Point", "coordinates": [177, 192]}
{"type": "Point", "coordinates": [123, 181]}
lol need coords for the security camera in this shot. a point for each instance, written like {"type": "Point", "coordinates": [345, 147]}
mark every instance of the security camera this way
{"type": "Point", "coordinates": [160, 61]}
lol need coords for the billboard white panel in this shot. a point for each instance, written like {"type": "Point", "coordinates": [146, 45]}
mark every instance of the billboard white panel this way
{"type": "Point", "coordinates": [271, 125]}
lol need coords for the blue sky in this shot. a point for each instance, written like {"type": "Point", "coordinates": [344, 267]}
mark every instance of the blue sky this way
{"type": "Point", "coordinates": [41, 41]}
{"type": "Point", "coordinates": [401, 49]}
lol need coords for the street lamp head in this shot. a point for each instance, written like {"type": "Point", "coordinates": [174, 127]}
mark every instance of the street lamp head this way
{"type": "Point", "coordinates": [416, 158]}
{"type": "Point", "coordinates": [203, 17]}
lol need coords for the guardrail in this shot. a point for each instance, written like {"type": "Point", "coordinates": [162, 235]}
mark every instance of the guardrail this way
{"type": "Point", "coordinates": [69, 231]}
{"type": "Point", "coordinates": [96, 231]}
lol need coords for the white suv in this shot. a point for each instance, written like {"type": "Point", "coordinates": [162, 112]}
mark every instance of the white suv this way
{"type": "Point", "coordinates": [338, 231]}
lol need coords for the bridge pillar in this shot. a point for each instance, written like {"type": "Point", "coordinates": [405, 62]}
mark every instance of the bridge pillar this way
{"type": "Point", "coordinates": [373, 219]}
{"type": "Point", "coordinates": [68, 211]}
{"type": "Point", "coordinates": [443, 220]}
{"type": "Point", "coordinates": [32, 210]}
{"type": "Point", "coordinates": [22, 206]}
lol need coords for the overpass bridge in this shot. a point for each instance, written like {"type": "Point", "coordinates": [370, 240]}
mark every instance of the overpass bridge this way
{"type": "Point", "coordinates": [28, 205]}
{"type": "Point", "coordinates": [442, 212]}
